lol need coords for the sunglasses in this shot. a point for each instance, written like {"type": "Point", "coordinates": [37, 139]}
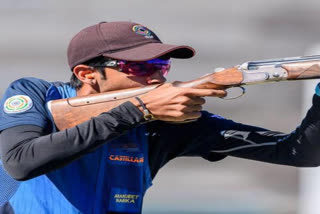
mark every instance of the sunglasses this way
{"type": "Point", "coordinates": [144, 68]}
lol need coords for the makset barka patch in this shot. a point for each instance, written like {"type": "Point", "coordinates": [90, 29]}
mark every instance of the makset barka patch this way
{"type": "Point", "coordinates": [17, 104]}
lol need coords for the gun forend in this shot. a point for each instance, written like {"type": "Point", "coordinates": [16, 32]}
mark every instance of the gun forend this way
{"type": "Point", "coordinates": [293, 68]}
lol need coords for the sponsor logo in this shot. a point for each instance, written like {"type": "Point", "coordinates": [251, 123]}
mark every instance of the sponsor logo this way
{"type": "Point", "coordinates": [123, 158]}
{"type": "Point", "coordinates": [17, 104]}
{"type": "Point", "coordinates": [141, 30]}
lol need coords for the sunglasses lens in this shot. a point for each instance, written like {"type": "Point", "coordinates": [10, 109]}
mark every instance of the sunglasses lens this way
{"type": "Point", "coordinates": [145, 68]}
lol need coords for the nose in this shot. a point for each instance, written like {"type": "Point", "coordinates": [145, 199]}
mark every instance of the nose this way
{"type": "Point", "coordinates": [156, 78]}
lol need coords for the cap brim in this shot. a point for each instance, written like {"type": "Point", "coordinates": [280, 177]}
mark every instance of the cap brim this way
{"type": "Point", "coordinates": [151, 51]}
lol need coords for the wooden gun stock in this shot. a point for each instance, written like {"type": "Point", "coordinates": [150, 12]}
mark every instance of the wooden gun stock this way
{"type": "Point", "coordinates": [70, 112]}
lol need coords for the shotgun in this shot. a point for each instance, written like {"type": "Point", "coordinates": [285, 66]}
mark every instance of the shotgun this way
{"type": "Point", "coordinates": [70, 112]}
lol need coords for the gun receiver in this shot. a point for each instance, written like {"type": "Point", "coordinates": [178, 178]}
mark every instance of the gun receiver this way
{"type": "Point", "coordinates": [294, 68]}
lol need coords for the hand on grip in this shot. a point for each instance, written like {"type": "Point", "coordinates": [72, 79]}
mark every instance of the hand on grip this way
{"type": "Point", "coordinates": [170, 103]}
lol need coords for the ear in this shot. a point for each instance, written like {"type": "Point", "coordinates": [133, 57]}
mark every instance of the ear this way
{"type": "Point", "coordinates": [85, 74]}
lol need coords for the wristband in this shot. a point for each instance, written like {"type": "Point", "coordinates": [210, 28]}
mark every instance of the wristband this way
{"type": "Point", "coordinates": [146, 113]}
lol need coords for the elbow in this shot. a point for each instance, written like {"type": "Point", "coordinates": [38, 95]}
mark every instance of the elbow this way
{"type": "Point", "coordinates": [309, 161]}
{"type": "Point", "coordinates": [308, 164]}
{"type": "Point", "coordinates": [19, 177]}
{"type": "Point", "coordinates": [306, 153]}
{"type": "Point", "coordinates": [17, 171]}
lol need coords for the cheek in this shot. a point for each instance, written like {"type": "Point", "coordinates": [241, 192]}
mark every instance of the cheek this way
{"type": "Point", "coordinates": [135, 80]}
{"type": "Point", "coordinates": [123, 82]}
{"type": "Point", "coordinates": [116, 80]}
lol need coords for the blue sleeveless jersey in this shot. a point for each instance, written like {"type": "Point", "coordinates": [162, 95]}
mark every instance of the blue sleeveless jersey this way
{"type": "Point", "coordinates": [113, 178]}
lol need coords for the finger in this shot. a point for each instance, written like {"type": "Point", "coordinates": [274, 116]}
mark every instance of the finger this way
{"type": "Point", "coordinates": [196, 101]}
{"type": "Point", "coordinates": [217, 93]}
{"type": "Point", "coordinates": [193, 108]}
{"type": "Point", "coordinates": [220, 93]}
{"type": "Point", "coordinates": [210, 85]}
{"type": "Point", "coordinates": [206, 92]}
{"type": "Point", "coordinates": [182, 117]}
{"type": "Point", "coordinates": [192, 115]}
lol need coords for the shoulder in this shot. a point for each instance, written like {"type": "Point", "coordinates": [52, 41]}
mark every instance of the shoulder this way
{"type": "Point", "coordinates": [221, 124]}
{"type": "Point", "coordinates": [23, 103]}
{"type": "Point", "coordinates": [34, 88]}
{"type": "Point", "coordinates": [216, 120]}
{"type": "Point", "coordinates": [208, 122]}
{"type": "Point", "coordinates": [30, 83]}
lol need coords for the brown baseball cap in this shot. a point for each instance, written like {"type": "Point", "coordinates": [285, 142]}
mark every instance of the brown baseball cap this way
{"type": "Point", "coordinates": [121, 40]}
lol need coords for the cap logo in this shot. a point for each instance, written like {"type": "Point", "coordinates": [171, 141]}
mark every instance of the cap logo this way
{"type": "Point", "coordinates": [141, 30]}
{"type": "Point", "coordinates": [17, 104]}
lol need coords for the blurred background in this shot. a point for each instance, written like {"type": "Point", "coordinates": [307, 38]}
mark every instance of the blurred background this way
{"type": "Point", "coordinates": [34, 36]}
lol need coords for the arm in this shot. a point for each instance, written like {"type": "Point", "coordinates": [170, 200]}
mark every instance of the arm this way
{"type": "Point", "coordinates": [300, 148]}
{"type": "Point", "coordinates": [28, 151]}
{"type": "Point", "coordinates": [214, 138]}
{"type": "Point", "coordinates": [28, 148]}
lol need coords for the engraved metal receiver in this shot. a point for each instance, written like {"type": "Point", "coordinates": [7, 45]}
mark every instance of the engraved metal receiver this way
{"type": "Point", "coordinates": [274, 70]}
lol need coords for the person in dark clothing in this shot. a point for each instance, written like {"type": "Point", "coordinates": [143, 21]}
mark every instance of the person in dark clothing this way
{"type": "Point", "coordinates": [106, 164]}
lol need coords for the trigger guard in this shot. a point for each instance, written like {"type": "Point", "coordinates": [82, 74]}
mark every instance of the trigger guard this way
{"type": "Point", "coordinates": [232, 98]}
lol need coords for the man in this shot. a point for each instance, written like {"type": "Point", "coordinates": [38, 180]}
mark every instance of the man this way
{"type": "Point", "coordinates": [106, 164]}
